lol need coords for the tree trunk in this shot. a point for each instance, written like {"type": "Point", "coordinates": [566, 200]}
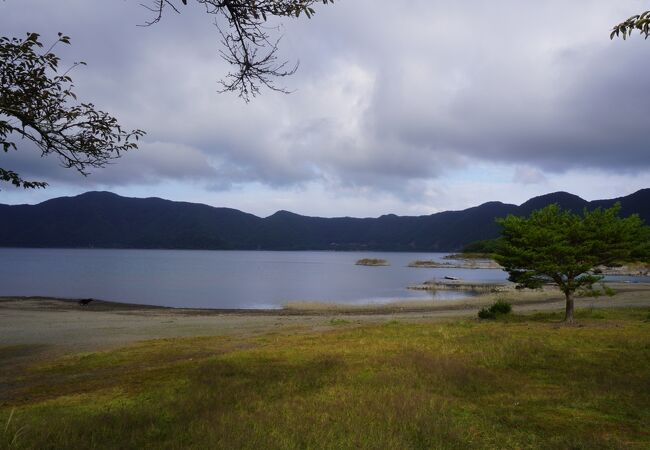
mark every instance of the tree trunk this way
{"type": "Point", "coordinates": [568, 317]}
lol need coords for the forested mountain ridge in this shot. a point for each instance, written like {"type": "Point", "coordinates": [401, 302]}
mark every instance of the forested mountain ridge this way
{"type": "Point", "coordinates": [107, 220]}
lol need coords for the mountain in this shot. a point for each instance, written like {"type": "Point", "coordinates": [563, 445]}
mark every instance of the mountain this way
{"type": "Point", "coordinates": [106, 220]}
{"type": "Point", "coordinates": [566, 200]}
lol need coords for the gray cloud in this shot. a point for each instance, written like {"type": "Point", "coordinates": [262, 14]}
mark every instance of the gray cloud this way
{"type": "Point", "coordinates": [387, 98]}
{"type": "Point", "coordinates": [528, 175]}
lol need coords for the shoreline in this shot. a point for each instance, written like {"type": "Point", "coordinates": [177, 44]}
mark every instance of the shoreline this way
{"type": "Point", "coordinates": [40, 326]}
{"type": "Point", "coordinates": [319, 308]}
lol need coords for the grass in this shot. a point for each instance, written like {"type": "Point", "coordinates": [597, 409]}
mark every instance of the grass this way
{"type": "Point", "coordinates": [489, 294]}
{"type": "Point", "coordinates": [400, 306]}
{"type": "Point", "coordinates": [517, 382]}
{"type": "Point", "coordinates": [453, 285]}
{"type": "Point", "coordinates": [338, 322]}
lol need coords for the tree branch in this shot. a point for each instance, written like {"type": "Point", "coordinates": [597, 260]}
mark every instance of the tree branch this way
{"type": "Point", "coordinates": [38, 104]}
{"type": "Point", "coordinates": [245, 39]}
{"type": "Point", "coordinates": [640, 22]}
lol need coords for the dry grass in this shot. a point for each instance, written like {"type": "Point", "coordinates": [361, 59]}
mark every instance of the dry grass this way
{"type": "Point", "coordinates": [398, 306]}
{"type": "Point", "coordinates": [526, 297]}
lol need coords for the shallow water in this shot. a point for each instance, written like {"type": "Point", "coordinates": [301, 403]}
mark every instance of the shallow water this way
{"type": "Point", "coordinates": [222, 279]}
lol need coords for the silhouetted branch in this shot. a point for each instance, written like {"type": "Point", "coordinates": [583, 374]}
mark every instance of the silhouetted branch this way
{"type": "Point", "coordinates": [247, 44]}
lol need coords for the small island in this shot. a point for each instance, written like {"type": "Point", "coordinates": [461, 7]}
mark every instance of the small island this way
{"type": "Point", "coordinates": [457, 264]}
{"type": "Point", "coordinates": [429, 264]}
{"type": "Point", "coordinates": [372, 262]}
{"type": "Point", "coordinates": [450, 284]}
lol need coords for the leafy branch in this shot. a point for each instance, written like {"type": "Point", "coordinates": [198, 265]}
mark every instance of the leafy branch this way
{"type": "Point", "coordinates": [640, 22]}
{"type": "Point", "coordinates": [37, 104]}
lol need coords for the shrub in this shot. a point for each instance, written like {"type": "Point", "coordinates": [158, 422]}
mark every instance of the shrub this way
{"type": "Point", "coordinates": [486, 313]}
{"type": "Point", "coordinates": [500, 307]}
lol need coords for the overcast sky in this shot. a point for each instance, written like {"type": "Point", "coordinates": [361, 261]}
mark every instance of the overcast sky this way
{"type": "Point", "coordinates": [406, 107]}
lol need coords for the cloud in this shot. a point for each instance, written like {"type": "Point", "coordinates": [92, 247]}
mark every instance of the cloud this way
{"type": "Point", "coordinates": [528, 175]}
{"type": "Point", "coordinates": [389, 99]}
{"type": "Point", "coordinates": [151, 163]}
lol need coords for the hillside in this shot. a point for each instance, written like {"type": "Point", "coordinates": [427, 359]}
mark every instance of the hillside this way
{"type": "Point", "coordinates": [106, 220]}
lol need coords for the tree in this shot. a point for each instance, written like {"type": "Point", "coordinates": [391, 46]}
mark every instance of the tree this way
{"type": "Point", "coordinates": [559, 247]}
{"type": "Point", "coordinates": [247, 42]}
{"type": "Point", "coordinates": [639, 22]}
{"type": "Point", "coordinates": [37, 104]}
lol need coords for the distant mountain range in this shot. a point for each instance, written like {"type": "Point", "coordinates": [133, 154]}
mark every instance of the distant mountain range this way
{"type": "Point", "coordinates": [106, 220]}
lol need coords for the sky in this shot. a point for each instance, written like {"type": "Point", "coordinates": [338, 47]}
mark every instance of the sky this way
{"type": "Point", "coordinates": [397, 107]}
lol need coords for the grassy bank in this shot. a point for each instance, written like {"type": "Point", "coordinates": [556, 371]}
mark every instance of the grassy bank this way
{"type": "Point", "coordinates": [523, 382]}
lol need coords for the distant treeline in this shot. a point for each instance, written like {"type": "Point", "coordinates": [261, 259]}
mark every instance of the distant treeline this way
{"type": "Point", "coordinates": [106, 220]}
{"type": "Point", "coordinates": [486, 246]}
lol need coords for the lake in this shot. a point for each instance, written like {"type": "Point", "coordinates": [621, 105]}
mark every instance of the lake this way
{"type": "Point", "coordinates": [222, 279]}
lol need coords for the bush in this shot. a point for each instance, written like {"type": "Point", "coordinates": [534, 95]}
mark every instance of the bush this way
{"type": "Point", "coordinates": [500, 307]}
{"type": "Point", "coordinates": [486, 313]}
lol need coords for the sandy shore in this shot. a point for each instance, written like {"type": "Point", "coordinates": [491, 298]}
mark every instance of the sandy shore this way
{"type": "Point", "coordinates": [64, 325]}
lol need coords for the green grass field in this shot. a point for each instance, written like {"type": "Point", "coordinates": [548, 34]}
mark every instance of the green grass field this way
{"type": "Point", "coordinates": [519, 382]}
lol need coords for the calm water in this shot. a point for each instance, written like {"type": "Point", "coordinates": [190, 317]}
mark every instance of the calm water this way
{"type": "Point", "coordinates": [220, 279]}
